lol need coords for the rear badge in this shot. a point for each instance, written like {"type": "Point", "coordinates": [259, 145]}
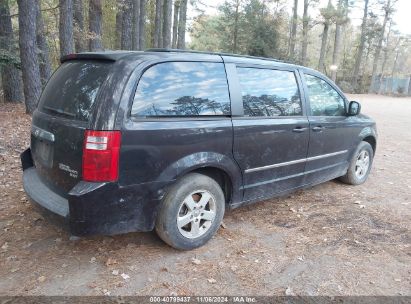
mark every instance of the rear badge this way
{"type": "Point", "coordinates": [73, 173]}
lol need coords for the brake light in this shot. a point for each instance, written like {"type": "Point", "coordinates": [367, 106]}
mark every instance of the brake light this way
{"type": "Point", "coordinates": [101, 155]}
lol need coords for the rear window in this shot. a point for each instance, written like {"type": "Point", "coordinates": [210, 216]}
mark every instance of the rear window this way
{"type": "Point", "coordinates": [182, 89]}
{"type": "Point", "coordinates": [73, 88]}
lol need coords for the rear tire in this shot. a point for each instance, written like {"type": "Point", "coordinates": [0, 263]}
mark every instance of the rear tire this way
{"type": "Point", "coordinates": [360, 165]}
{"type": "Point", "coordinates": [191, 212]}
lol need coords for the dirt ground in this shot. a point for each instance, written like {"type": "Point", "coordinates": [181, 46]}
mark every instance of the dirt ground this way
{"type": "Point", "coordinates": [332, 239]}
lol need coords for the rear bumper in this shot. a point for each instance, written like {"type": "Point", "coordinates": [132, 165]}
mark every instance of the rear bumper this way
{"type": "Point", "coordinates": [42, 195]}
{"type": "Point", "coordinates": [99, 208]}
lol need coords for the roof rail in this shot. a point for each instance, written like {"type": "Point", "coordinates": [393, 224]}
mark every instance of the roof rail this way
{"type": "Point", "coordinates": [210, 53]}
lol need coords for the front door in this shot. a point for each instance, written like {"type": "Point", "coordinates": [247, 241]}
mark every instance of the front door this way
{"type": "Point", "coordinates": [271, 138]}
{"type": "Point", "coordinates": [331, 137]}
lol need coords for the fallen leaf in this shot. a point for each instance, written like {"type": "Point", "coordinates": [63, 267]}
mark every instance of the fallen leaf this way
{"type": "Point", "coordinates": [195, 261]}
{"type": "Point", "coordinates": [125, 276]}
{"type": "Point", "coordinates": [41, 279]}
{"type": "Point", "coordinates": [212, 281]}
{"type": "Point", "coordinates": [289, 291]}
{"type": "Point", "coordinates": [111, 261]}
{"type": "Point", "coordinates": [106, 292]}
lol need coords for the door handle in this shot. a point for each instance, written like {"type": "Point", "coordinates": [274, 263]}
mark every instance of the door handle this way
{"type": "Point", "coordinates": [318, 128]}
{"type": "Point", "coordinates": [299, 130]}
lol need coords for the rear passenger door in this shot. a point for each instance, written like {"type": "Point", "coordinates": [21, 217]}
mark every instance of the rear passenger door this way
{"type": "Point", "coordinates": [270, 128]}
{"type": "Point", "coordinates": [179, 120]}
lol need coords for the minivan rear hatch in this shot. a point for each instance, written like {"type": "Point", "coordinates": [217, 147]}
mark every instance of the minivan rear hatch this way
{"type": "Point", "coordinates": [64, 113]}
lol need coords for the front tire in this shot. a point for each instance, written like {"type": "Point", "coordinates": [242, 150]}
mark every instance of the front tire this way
{"type": "Point", "coordinates": [360, 165]}
{"type": "Point", "coordinates": [191, 212]}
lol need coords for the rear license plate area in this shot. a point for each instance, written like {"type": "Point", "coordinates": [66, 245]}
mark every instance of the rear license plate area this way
{"type": "Point", "coordinates": [43, 152]}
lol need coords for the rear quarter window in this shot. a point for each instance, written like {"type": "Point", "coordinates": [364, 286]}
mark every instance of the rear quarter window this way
{"type": "Point", "coordinates": [182, 89]}
{"type": "Point", "coordinates": [72, 90]}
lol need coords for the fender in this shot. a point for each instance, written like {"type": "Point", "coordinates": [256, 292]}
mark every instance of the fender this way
{"type": "Point", "coordinates": [202, 160]}
{"type": "Point", "coordinates": [368, 131]}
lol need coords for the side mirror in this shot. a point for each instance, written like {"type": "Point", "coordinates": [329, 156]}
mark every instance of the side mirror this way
{"type": "Point", "coordinates": [354, 108]}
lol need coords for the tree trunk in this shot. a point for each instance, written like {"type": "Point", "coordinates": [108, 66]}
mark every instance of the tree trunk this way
{"type": "Point", "coordinates": [95, 24]}
{"type": "Point", "coordinates": [305, 33]}
{"type": "Point", "coordinates": [142, 23]}
{"type": "Point", "coordinates": [337, 41]}
{"type": "Point", "coordinates": [379, 46]}
{"type": "Point", "coordinates": [66, 27]}
{"type": "Point", "coordinates": [9, 73]}
{"type": "Point", "coordinates": [119, 26]}
{"type": "Point", "coordinates": [360, 52]}
{"type": "Point", "coordinates": [28, 54]}
{"type": "Point", "coordinates": [324, 40]}
{"type": "Point", "coordinates": [167, 14]}
{"type": "Point", "coordinates": [157, 24]}
{"type": "Point", "coordinates": [79, 33]}
{"type": "Point", "coordinates": [235, 32]}
{"type": "Point", "coordinates": [43, 48]}
{"type": "Point", "coordinates": [384, 62]}
{"type": "Point", "coordinates": [127, 25]}
{"type": "Point", "coordinates": [364, 69]}
{"type": "Point", "coordinates": [175, 22]}
{"type": "Point", "coordinates": [181, 38]}
{"type": "Point", "coordinates": [292, 54]}
{"type": "Point", "coordinates": [136, 25]}
{"type": "Point", "coordinates": [409, 87]}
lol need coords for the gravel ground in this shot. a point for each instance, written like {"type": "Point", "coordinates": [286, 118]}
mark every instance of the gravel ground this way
{"type": "Point", "coordinates": [332, 239]}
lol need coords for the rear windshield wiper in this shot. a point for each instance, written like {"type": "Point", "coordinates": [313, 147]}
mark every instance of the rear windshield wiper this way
{"type": "Point", "coordinates": [59, 111]}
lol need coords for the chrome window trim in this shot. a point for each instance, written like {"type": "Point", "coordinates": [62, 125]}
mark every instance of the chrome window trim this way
{"type": "Point", "coordinates": [293, 162]}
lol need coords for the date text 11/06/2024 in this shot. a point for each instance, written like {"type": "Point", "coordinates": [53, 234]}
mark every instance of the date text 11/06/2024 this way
{"type": "Point", "coordinates": [197, 299]}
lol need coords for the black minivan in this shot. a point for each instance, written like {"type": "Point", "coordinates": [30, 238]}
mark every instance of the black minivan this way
{"type": "Point", "coordinates": [168, 139]}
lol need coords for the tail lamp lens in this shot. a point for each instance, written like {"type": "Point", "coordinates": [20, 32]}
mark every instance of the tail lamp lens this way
{"type": "Point", "coordinates": [101, 155]}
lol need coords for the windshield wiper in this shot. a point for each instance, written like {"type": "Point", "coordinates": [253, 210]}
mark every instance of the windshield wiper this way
{"type": "Point", "coordinates": [58, 111]}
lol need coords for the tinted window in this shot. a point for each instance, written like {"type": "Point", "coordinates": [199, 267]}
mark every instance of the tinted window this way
{"type": "Point", "coordinates": [269, 92]}
{"type": "Point", "coordinates": [182, 89]}
{"type": "Point", "coordinates": [324, 100]}
{"type": "Point", "coordinates": [72, 89]}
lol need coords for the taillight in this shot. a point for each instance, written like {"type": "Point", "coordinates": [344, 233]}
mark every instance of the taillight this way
{"type": "Point", "coordinates": [100, 155]}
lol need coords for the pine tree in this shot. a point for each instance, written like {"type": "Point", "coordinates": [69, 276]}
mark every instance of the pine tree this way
{"type": "Point", "coordinates": [66, 27]}
{"type": "Point", "coordinates": [95, 25]}
{"type": "Point", "coordinates": [181, 37]}
{"type": "Point", "coordinates": [10, 74]}
{"type": "Point", "coordinates": [127, 27]}
{"type": "Point", "coordinates": [44, 58]}
{"type": "Point", "coordinates": [28, 53]}
{"type": "Point", "coordinates": [167, 14]}
{"type": "Point", "coordinates": [79, 31]}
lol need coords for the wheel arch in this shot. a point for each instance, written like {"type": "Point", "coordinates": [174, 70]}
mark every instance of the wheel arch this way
{"type": "Point", "coordinates": [220, 167]}
{"type": "Point", "coordinates": [372, 141]}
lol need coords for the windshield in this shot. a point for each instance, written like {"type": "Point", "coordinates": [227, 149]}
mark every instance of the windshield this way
{"type": "Point", "coordinates": [73, 88]}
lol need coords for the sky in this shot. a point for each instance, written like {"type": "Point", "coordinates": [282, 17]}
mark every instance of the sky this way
{"type": "Point", "coordinates": [401, 16]}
